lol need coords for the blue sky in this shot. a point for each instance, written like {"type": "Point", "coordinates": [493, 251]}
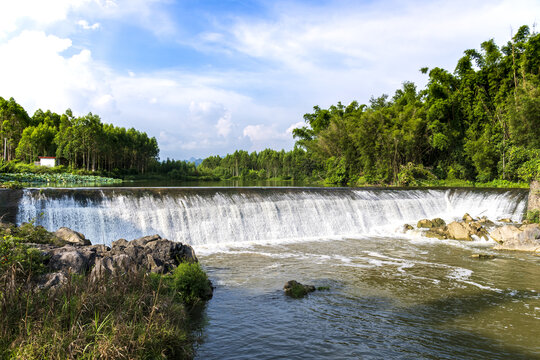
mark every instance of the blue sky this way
{"type": "Point", "coordinates": [209, 77]}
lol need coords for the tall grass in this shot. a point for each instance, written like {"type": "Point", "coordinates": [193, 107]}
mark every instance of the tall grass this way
{"type": "Point", "coordinates": [116, 318]}
{"type": "Point", "coordinates": [135, 316]}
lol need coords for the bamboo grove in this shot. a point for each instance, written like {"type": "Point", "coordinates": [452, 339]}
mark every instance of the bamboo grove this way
{"type": "Point", "coordinates": [480, 122]}
{"type": "Point", "coordinates": [82, 142]}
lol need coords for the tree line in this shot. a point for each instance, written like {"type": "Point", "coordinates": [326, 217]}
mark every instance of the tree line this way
{"type": "Point", "coordinates": [480, 122]}
{"type": "Point", "coordinates": [83, 142]}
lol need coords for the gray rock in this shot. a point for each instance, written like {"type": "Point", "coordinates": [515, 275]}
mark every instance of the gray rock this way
{"type": "Point", "coordinates": [119, 243]}
{"type": "Point", "coordinates": [71, 259]}
{"type": "Point", "coordinates": [149, 253]}
{"type": "Point", "coordinates": [51, 281]}
{"type": "Point", "coordinates": [145, 240]}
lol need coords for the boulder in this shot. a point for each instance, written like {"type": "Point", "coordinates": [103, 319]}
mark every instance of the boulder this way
{"type": "Point", "coordinates": [119, 244]}
{"type": "Point", "coordinates": [71, 236]}
{"type": "Point", "coordinates": [438, 222]}
{"type": "Point", "coordinates": [505, 220]}
{"type": "Point", "coordinates": [468, 218]}
{"type": "Point", "coordinates": [424, 223]}
{"type": "Point", "coordinates": [149, 253]}
{"type": "Point", "coordinates": [440, 233]}
{"type": "Point", "coordinates": [465, 230]}
{"type": "Point", "coordinates": [524, 238]}
{"type": "Point", "coordinates": [71, 259]}
{"type": "Point", "coordinates": [296, 290]}
{"type": "Point", "coordinates": [433, 223]}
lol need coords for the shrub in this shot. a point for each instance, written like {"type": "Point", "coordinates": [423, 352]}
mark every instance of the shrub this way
{"type": "Point", "coordinates": [533, 216]}
{"type": "Point", "coordinates": [191, 283]}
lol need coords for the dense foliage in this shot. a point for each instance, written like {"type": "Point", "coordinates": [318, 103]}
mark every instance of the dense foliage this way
{"type": "Point", "coordinates": [83, 142]}
{"type": "Point", "coordinates": [480, 123]}
{"type": "Point", "coordinates": [294, 164]}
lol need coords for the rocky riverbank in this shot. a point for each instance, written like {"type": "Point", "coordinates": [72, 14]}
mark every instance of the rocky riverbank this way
{"type": "Point", "coordinates": [129, 300]}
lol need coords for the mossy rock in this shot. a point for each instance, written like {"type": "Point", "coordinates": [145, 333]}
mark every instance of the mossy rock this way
{"type": "Point", "coordinates": [296, 290]}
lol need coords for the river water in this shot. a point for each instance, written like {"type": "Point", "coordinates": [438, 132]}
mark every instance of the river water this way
{"type": "Point", "coordinates": [388, 294]}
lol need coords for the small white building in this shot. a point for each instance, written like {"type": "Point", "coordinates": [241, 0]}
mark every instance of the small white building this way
{"type": "Point", "coordinates": [49, 161]}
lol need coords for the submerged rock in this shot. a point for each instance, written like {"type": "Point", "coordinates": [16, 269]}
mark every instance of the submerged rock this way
{"type": "Point", "coordinates": [483, 256]}
{"type": "Point", "coordinates": [296, 290]}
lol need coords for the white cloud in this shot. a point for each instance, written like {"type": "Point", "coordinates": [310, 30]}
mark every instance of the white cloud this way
{"type": "Point", "coordinates": [43, 13]}
{"type": "Point", "coordinates": [224, 125]}
{"type": "Point", "coordinates": [295, 126]}
{"type": "Point", "coordinates": [261, 135]}
{"type": "Point", "coordinates": [51, 80]}
{"type": "Point", "coordinates": [86, 26]}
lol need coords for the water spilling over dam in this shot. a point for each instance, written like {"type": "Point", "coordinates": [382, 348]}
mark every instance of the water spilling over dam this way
{"type": "Point", "coordinates": [206, 216]}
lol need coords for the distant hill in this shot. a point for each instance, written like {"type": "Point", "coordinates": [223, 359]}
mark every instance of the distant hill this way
{"type": "Point", "coordinates": [196, 161]}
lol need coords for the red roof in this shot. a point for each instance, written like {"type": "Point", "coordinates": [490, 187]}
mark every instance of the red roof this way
{"type": "Point", "coordinates": [46, 157]}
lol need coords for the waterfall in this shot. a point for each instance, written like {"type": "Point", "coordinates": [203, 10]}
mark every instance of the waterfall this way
{"type": "Point", "coordinates": [216, 216]}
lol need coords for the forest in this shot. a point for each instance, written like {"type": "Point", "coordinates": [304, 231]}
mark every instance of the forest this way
{"type": "Point", "coordinates": [479, 123]}
{"type": "Point", "coordinates": [82, 142]}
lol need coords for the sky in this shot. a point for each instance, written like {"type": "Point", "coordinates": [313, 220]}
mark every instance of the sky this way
{"type": "Point", "coordinates": [210, 77]}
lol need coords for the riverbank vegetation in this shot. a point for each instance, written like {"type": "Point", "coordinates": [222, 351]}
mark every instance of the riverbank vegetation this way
{"type": "Point", "coordinates": [143, 316]}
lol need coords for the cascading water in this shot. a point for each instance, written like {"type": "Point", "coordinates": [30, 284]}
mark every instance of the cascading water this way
{"type": "Point", "coordinates": [254, 215]}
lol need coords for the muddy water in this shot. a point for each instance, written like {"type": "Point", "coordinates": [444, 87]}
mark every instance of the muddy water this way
{"type": "Point", "coordinates": [395, 298]}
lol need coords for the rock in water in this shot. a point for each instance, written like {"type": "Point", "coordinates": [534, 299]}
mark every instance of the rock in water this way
{"type": "Point", "coordinates": [511, 237]}
{"type": "Point", "coordinates": [438, 222]}
{"type": "Point", "coordinates": [483, 256]}
{"type": "Point", "coordinates": [424, 223]}
{"type": "Point", "coordinates": [407, 227]}
{"type": "Point", "coordinates": [465, 230]}
{"type": "Point", "coordinates": [296, 290]}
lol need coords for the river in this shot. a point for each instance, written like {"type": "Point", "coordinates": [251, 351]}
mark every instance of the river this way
{"type": "Point", "coordinates": [388, 294]}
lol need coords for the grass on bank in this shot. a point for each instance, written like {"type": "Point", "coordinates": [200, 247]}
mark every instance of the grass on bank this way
{"type": "Point", "coordinates": [142, 316]}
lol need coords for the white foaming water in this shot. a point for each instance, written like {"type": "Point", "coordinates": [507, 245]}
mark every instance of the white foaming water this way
{"type": "Point", "coordinates": [215, 218]}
